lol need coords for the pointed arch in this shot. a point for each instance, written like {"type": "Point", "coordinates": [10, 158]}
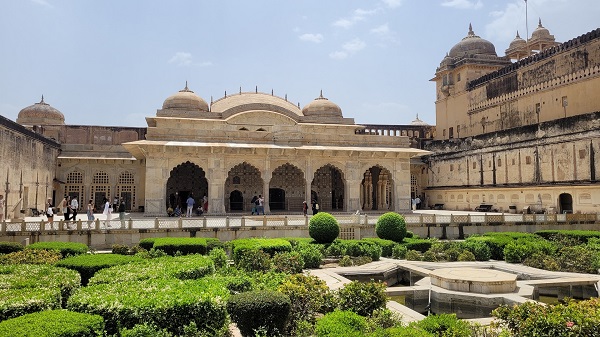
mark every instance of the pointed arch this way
{"type": "Point", "coordinates": [376, 192]}
{"type": "Point", "coordinates": [287, 188]}
{"type": "Point", "coordinates": [328, 188]}
{"type": "Point", "coordinates": [242, 183]}
{"type": "Point", "coordinates": [187, 179]}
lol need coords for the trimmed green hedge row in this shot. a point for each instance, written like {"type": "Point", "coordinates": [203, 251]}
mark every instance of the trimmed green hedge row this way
{"type": "Point", "coordinates": [65, 248]}
{"type": "Point", "coordinates": [18, 302]}
{"type": "Point", "coordinates": [269, 246]}
{"type": "Point", "coordinates": [184, 246]}
{"type": "Point", "coordinates": [87, 265]}
{"type": "Point", "coordinates": [53, 323]}
{"type": "Point", "coordinates": [10, 247]}
{"type": "Point", "coordinates": [167, 303]}
{"type": "Point", "coordinates": [580, 235]}
{"type": "Point", "coordinates": [265, 310]}
{"type": "Point", "coordinates": [354, 248]}
{"type": "Point", "coordinates": [181, 267]}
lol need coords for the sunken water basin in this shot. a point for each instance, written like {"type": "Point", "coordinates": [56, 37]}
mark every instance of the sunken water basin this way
{"type": "Point", "coordinates": [474, 280]}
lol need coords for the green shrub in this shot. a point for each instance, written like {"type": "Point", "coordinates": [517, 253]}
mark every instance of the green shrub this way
{"type": "Point", "coordinates": [409, 331]}
{"type": "Point", "coordinates": [53, 323]}
{"type": "Point", "coordinates": [399, 252]}
{"type": "Point", "coordinates": [254, 260]}
{"type": "Point", "coordinates": [341, 324]}
{"type": "Point", "coordinates": [288, 262]}
{"type": "Point", "coordinates": [323, 227]}
{"type": "Point", "coordinates": [579, 235]}
{"type": "Point", "coordinates": [260, 310]}
{"type": "Point", "coordinates": [542, 261]}
{"type": "Point", "coordinates": [145, 330]}
{"type": "Point", "coordinates": [212, 243]}
{"type": "Point", "coordinates": [120, 249]}
{"type": "Point", "coordinates": [362, 297]}
{"type": "Point", "coordinates": [466, 255]}
{"type": "Point", "coordinates": [345, 261]}
{"type": "Point", "coordinates": [219, 257]}
{"type": "Point", "coordinates": [269, 246]}
{"type": "Point", "coordinates": [16, 302]}
{"type": "Point", "coordinates": [358, 248]}
{"type": "Point", "coordinates": [391, 226]}
{"type": "Point", "coordinates": [422, 245]}
{"type": "Point", "coordinates": [31, 256]}
{"type": "Point", "coordinates": [65, 248]}
{"type": "Point", "coordinates": [452, 254]}
{"type": "Point", "coordinates": [413, 255]}
{"type": "Point", "coordinates": [184, 267]}
{"type": "Point", "coordinates": [337, 248]}
{"type": "Point", "coordinates": [515, 253]}
{"type": "Point", "coordinates": [87, 265]}
{"type": "Point", "coordinates": [165, 303]}
{"type": "Point", "coordinates": [495, 242]}
{"type": "Point", "coordinates": [309, 296]}
{"type": "Point", "coordinates": [387, 246]}
{"type": "Point", "coordinates": [184, 246]}
{"type": "Point", "coordinates": [311, 254]}
{"type": "Point", "coordinates": [561, 320]}
{"type": "Point", "coordinates": [578, 259]}
{"type": "Point", "coordinates": [10, 247]}
{"type": "Point", "coordinates": [445, 325]}
{"type": "Point", "coordinates": [359, 261]}
{"type": "Point", "coordinates": [480, 250]}
{"type": "Point", "coordinates": [37, 277]}
{"type": "Point", "coordinates": [430, 256]}
{"type": "Point", "coordinates": [147, 243]}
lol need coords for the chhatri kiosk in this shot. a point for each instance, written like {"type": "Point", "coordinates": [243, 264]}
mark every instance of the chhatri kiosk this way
{"type": "Point", "coordinates": [253, 143]}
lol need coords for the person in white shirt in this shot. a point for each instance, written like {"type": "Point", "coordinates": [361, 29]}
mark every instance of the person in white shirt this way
{"type": "Point", "coordinates": [74, 207]}
{"type": "Point", "coordinates": [107, 212]}
{"type": "Point", "coordinates": [50, 215]}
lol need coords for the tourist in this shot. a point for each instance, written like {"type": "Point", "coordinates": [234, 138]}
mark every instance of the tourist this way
{"type": "Point", "coordinates": [413, 203]}
{"type": "Point", "coordinates": [50, 214]}
{"type": "Point", "coordinates": [122, 213]}
{"type": "Point", "coordinates": [261, 205]}
{"type": "Point", "coordinates": [199, 211]}
{"type": "Point", "coordinates": [304, 207]}
{"type": "Point", "coordinates": [177, 211]}
{"type": "Point", "coordinates": [205, 203]}
{"type": "Point", "coordinates": [65, 209]}
{"type": "Point", "coordinates": [190, 206]}
{"type": "Point", "coordinates": [115, 204]}
{"type": "Point", "coordinates": [107, 212]}
{"type": "Point", "coordinates": [315, 207]}
{"type": "Point", "coordinates": [90, 211]}
{"type": "Point", "coordinates": [418, 203]}
{"type": "Point", "coordinates": [254, 203]}
{"type": "Point", "coordinates": [74, 207]}
{"type": "Point", "coordinates": [1, 207]}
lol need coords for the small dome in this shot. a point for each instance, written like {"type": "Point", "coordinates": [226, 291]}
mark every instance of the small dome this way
{"type": "Point", "coordinates": [517, 43]}
{"type": "Point", "coordinates": [418, 122]}
{"type": "Point", "coordinates": [541, 33]}
{"type": "Point", "coordinates": [185, 100]}
{"type": "Point", "coordinates": [322, 107]}
{"type": "Point", "coordinates": [472, 45]}
{"type": "Point", "coordinates": [40, 114]}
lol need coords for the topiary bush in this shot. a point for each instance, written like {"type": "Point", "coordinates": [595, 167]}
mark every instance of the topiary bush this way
{"type": "Point", "coordinates": [311, 254]}
{"type": "Point", "coordinates": [288, 262]}
{"type": "Point", "coordinates": [147, 243]}
{"type": "Point", "coordinates": [87, 265]}
{"type": "Point", "coordinates": [445, 325]}
{"type": "Point", "coordinates": [391, 226]}
{"type": "Point", "coordinates": [10, 247]}
{"type": "Point", "coordinates": [387, 246]}
{"type": "Point", "coordinates": [184, 246]}
{"type": "Point", "coordinates": [65, 248]}
{"type": "Point", "coordinates": [254, 260]}
{"type": "Point", "coordinates": [58, 323]}
{"type": "Point", "coordinates": [323, 227]}
{"type": "Point", "coordinates": [399, 252]}
{"type": "Point", "coordinates": [480, 250]}
{"type": "Point", "coordinates": [362, 297]}
{"type": "Point", "coordinates": [219, 257]}
{"type": "Point", "coordinates": [31, 256]}
{"type": "Point", "coordinates": [264, 310]}
{"type": "Point", "coordinates": [341, 324]}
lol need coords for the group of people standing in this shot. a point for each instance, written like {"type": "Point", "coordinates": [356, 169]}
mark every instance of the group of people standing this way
{"type": "Point", "coordinates": [118, 204]}
{"type": "Point", "coordinates": [258, 205]}
{"type": "Point", "coordinates": [190, 204]}
{"type": "Point", "coordinates": [69, 207]}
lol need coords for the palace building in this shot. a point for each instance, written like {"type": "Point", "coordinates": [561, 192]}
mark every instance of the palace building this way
{"type": "Point", "coordinates": [518, 132]}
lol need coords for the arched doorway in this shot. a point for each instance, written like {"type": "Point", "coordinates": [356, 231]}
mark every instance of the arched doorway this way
{"type": "Point", "coordinates": [236, 201]}
{"type": "Point", "coordinates": [246, 180]}
{"type": "Point", "coordinates": [565, 201]}
{"type": "Point", "coordinates": [287, 188]}
{"type": "Point", "coordinates": [376, 190]}
{"type": "Point", "coordinates": [186, 179]}
{"type": "Point", "coordinates": [327, 188]}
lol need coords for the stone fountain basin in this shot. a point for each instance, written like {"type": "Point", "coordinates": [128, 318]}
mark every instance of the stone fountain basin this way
{"type": "Point", "coordinates": [474, 280]}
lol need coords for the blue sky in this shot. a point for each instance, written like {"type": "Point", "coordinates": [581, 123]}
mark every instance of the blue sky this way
{"type": "Point", "coordinates": [114, 62]}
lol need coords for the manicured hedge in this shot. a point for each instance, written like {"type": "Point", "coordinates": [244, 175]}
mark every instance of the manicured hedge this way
{"type": "Point", "coordinates": [147, 243]}
{"type": "Point", "coordinates": [354, 248]}
{"type": "Point", "coordinates": [269, 246]}
{"type": "Point", "coordinates": [31, 256]}
{"type": "Point", "coordinates": [323, 227]}
{"type": "Point", "coordinates": [387, 246]}
{"type": "Point", "coordinates": [341, 324]}
{"type": "Point", "coordinates": [421, 245]}
{"type": "Point", "coordinates": [253, 310]}
{"type": "Point", "coordinates": [181, 267]}
{"type": "Point", "coordinates": [166, 303]}
{"type": "Point", "coordinates": [9, 247]}
{"type": "Point", "coordinates": [18, 302]}
{"type": "Point", "coordinates": [35, 277]}
{"type": "Point", "coordinates": [184, 246]}
{"type": "Point", "coordinates": [87, 265]}
{"type": "Point", "coordinates": [53, 323]}
{"type": "Point", "coordinates": [65, 248]}
{"type": "Point", "coordinates": [580, 235]}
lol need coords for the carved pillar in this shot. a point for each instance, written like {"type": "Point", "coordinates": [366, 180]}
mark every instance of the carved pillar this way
{"type": "Point", "coordinates": [266, 176]}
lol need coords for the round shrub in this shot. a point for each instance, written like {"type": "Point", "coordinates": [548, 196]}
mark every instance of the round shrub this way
{"type": "Point", "coordinates": [264, 310]}
{"type": "Point", "coordinates": [323, 227]}
{"type": "Point", "coordinates": [341, 324]}
{"type": "Point", "coordinates": [53, 323]}
{"type": "Point", "coordinates": [466, 256]}
{"type": "Point", "coordinates": [445, 325]}
{"type": "Point", "coordinates": [391, 226]}
{"type": "Point", "coordinates": [430, 256]}
{"type": "Point", "coordinates": [362, 298]}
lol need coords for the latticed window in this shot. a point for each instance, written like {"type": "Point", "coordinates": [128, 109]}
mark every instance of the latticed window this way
{"type": "Point", "coordinates": [126, 178]}
{"type": "Point", "coordinates": [75, 177]}
{"type": "Point", "coordinates": [413, 185]}
{"type": "Point", "coordinates": [100, 178]}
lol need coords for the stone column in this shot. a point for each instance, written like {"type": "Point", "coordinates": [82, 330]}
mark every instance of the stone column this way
{"type": "Point", "coordinates": [266, 176]}
{"type": "Point", "coordinates": [401, 183]}
{"type": "Point", "coordinates": [216, 177]}
{"type": "Point", "coordinates": [157, 173]}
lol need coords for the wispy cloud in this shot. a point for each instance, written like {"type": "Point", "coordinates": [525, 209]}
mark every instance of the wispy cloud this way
{"type": "Point", "coordinates": [348, 48]}
{"type": "Point", "coordinates": [381, 30]}
{"type": "Point", "coordinates": [392, 3]}
{"type": "Point", "coordinates": [463, 4]}
{"type": "Point", "coordinates": [316, 38]}
{"type": "Point", "coordinates": [183, 59]}
{"type": "Point", "coordinates": [384, 34]}
{"type": "Point", "coordinates": [357, 16]}
{"type": "Point", "coordinates": [43, 3]}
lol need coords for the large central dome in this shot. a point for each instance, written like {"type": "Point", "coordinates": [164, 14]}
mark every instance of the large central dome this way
{"type": "Point", "coordinates": [185, 100]}
{"type": "Point", "coordinates": [472, 45]}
